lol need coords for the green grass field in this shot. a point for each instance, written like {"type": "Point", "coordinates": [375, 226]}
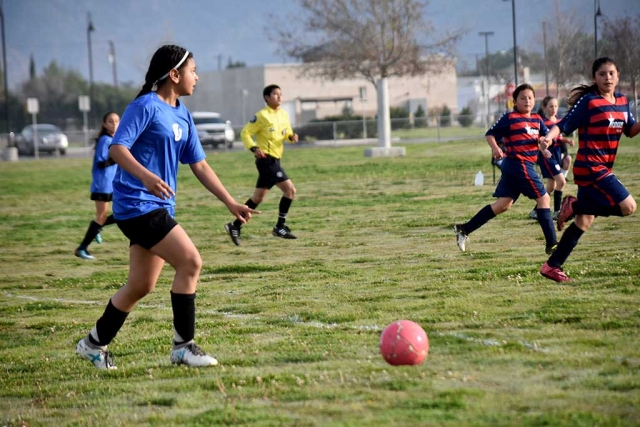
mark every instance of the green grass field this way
{"type": "Point", "coordinates": [296, 324]}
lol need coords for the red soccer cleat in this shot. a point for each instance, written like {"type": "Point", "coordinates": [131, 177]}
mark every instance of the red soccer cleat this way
{"type": "Point", "coordinates": [566, 211]}
{"type": "Point", "coordinates": [554, 273]}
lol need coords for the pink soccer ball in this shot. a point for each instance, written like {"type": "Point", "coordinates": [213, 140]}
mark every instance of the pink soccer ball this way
{"type": "Point", "coordinates": [404, 342]}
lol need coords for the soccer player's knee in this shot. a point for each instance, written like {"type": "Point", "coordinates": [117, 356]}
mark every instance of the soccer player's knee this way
{"type": "Point", "coordinates": [193, 263]}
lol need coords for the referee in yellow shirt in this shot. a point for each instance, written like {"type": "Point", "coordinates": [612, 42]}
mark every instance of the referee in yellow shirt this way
{"type": "Point", "coordinates": [272, 128]}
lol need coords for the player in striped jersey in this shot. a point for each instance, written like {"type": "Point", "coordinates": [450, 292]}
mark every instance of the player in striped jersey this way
{"type": "Point", "coordinates": [521, 131]}
{"type": "Point", "coordinates": [551, 167]}
{"type": "Point", "coordinates": [601, 116]}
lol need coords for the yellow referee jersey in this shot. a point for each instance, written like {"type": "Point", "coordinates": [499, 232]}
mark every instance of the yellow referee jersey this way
{"type": "Point", "coordinates": [272, 129]}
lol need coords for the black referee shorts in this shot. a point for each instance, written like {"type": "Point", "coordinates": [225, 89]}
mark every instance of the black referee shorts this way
{"type": "Point", "coordinates": [269, 172]}
{"type": "Point", "coordinates": [149, 229]}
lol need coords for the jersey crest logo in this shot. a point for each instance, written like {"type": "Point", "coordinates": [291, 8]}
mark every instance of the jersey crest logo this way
{"type": "Point", "coordinates": [284, 132]}
{"type": "Point", "coordinates": [272, 130]}
{"type": "Point", "coordinates": [253, 119]}
{"type": "Point", "coordinates": [532, 131]}
{"type": "Point", "coordinates": [177, 132]}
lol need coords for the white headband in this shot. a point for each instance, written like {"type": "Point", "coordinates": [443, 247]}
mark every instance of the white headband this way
{"type": "Point", "coordinates": [174, 68]}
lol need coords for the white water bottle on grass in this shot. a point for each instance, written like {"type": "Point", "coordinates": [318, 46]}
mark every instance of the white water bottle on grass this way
{"type": "Point", "coordinates": [479, 178]}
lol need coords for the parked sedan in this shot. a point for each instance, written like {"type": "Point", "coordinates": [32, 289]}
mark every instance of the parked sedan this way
{"type": "Point", "coordinates": [212, 129]}
{"type": "Point", "coordinates": [50, 139]}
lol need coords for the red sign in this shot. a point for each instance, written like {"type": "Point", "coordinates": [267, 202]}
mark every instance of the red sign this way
{"type": "Point", "coordinates": [509, 89]}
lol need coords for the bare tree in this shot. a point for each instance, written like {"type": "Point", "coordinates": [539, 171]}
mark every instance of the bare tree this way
{"type": "Point", "coordinates": [568, 56]}
{"type": "Point", "coordinates": [621, 38]}
{"type": "Point", "coordinates": [373, 39]}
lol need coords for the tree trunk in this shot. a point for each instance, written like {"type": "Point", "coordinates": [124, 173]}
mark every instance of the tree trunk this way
{"type": "Point", "coordinates": [384, 120]}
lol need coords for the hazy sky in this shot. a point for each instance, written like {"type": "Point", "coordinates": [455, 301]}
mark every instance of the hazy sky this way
{"type": "Point", "coordinates": [57, 30]}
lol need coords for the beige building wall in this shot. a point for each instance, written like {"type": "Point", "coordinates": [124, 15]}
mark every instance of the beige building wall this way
{"type": "Point", "coordinates": [237, 93]}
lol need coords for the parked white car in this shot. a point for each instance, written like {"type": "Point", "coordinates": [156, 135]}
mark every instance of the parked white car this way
{"type": "Point", "coordinates": [212, 129]}
{"type": "Point", "coordinates": [50, 139]}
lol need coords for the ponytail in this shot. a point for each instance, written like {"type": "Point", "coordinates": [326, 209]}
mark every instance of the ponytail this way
{"type": "Point", "coordinates": [578, 92]}
{"type": "Point", "coordinates": [165, 59]}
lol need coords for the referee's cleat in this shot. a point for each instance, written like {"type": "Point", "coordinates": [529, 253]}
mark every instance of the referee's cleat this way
{"type": "Point", "coordinates": [98, 239]}
{"type": "Point", "coordinates": [461, 237]}
{"type": "Point", "coordinates": [101, 359]}
{"type": "Point", "coordinates": [84, 254]}
{"type": "Point", "coordinates": [191, 355]}
{"type": "Point", "coordinates": [554, 273]}
{"type": "Point", "coordinates": [234, 233]}
{"type": "Point", "coordinates": [283, 232]}
{"type": "Point", "coordinates": [566, 211]}
{"type": "Point", "coordinates": [554, 215]}
{"type": "Point", "coordinates": [533, 214]}
{"type": "Point", "coordinates": [549, 249]}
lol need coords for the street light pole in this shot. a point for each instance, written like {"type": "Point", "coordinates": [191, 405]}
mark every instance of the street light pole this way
{"type": "Point", "coordinates": [596, 13]}
{"type": "Point", "coordinates": [90, 28]}
{"type": "Point", "coordinates": [112, 59]}
{"type": "Point", "coordinates": [486, 35]}
{"type": "Point", "coordinates": [515, 45]}
{"type": "Point", "coordinates": [4, 70]}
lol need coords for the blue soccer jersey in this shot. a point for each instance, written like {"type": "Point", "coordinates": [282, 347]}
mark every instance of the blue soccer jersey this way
{"type": "Point", "coordinates": [158, 136]}
{"type": "Point", "coordinates": [521, 135]}
{"type": "Point", "coordinates": [600, 125]}
{"type": "Point", "coordinates": [102, 178]}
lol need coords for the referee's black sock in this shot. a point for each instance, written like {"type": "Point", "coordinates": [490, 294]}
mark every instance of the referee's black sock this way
{"type": "Point", "coordinates": [481, 218]}
{"type": "Point", "coordinates": [92, 231]}
{"type": "Point", "coordinates": [568, 242]}
{"type": "Point", "coordinates": [285, 204]}
{"type": "Point", "coordinates": [107, 327]}
{"type": "Point", "coordinates": [251, 204]}
{"type": "Point", "coordinates": [184, 317]}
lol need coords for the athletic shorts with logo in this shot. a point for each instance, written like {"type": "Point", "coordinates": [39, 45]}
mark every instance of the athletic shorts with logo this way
{"type": "Point", "coordinates": [269, 172]}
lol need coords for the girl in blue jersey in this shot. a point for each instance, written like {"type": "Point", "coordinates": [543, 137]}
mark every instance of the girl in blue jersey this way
{"type": "Point", "coordinates": [552, 167]}
{"type": "Point", "coordinates": [602, 115]}
{"type": "Point", "coordinates": [521, 131]}
{"type": "Point", "coordinates": [157, 132]}
{"type": "Point", "coordinates": [102, 171]}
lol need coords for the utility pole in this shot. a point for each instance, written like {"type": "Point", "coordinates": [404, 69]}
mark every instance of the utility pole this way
{"type": "Point", "coordinates": [112, 59]}
{"type": "Point", "coordinates": [515, 45]}
{"type": "Point", "coordinates": [546, 60]}
{"type": "Point", "coordinates": [486, 35]}
{"type": "Point", "coordinates": [596, 13]}
{"type": "Point", "coordinates": [4, 71]}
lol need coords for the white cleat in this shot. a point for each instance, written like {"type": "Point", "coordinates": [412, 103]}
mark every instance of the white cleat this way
{"type": "Point", "coordinates": [461, 238]}
{"type": "Point", "coordinates": [101, 359]}
{"type": "Point", "coordinates": [192, 355]}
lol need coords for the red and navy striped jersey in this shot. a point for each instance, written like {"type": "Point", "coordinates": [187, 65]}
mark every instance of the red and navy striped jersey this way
{"type": "Point", "coordinates": [556, 142]}
{"type": "Point", "coordinates": [521, 135]}
{"type": "Point", "coordinates": [600, 125]}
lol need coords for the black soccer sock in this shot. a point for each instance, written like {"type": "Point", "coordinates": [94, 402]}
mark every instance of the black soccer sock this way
{"type": "Point", "coordinates": [546, 223]}
{"type": "Point", "coordinates": [285, 204]}
{"type": "Point", "coordinates": [557, 200]}
{"type": "Point", "coordinates": [107, 326]}
{"type": "Point", "coordinates": [184, 317]}
{"type": "Point", "coordinates": [568, 242]}
{"type": "Point", "coordinates": [252, 205]}
{"type": "Point", "coordinates": [92, 231]}
{"type": "Point", "coordinates": [481, 218]}
{"type": "Point", "coordinates": [110, 220]}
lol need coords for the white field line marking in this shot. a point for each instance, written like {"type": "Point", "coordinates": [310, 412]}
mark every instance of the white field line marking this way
{"type": "Point", "coordinates": [293, 319]}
